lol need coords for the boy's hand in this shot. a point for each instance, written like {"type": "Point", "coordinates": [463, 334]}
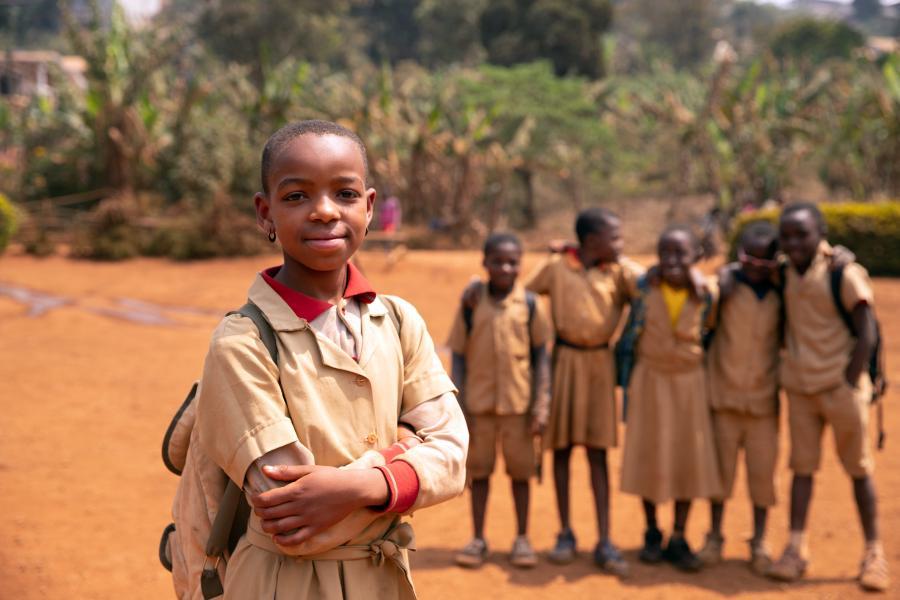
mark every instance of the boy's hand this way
{"type": "Point", "coordinates": [698, 285]}
{"type": "Point", "coordinates": [559, 246]}
{"type": "Point", "coordinates": [841, 256]}
{"type": "Point", "coordinates": [317, 498]}
{"type": "Point", "coordinates": [538, 426]}
{"type": "Point", "coordinates": [727, 279]}
{"type": "Point", "coordinates": [471, 294]}
{"type": "Point", "coordinates": [652, 275]}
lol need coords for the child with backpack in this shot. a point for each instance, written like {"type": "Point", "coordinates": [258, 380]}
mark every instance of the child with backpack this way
{"type": "Point", "coordinates": [831, 339]}
{"type": "Point", "coordinates": [743, 386]}
{"type": "Point", "coordinates": [352, 365]}
{"type": "Point", "coordinates": [502, 369]}
{"type": "Point", "coordinates": [669, 448]}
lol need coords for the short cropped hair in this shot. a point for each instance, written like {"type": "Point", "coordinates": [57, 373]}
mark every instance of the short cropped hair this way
{"type": "Point", "coordinates": [495, 240]}
{"type": "Point", "coordinates": [813, 209]}
{"type": "Point", "coordinates": [291, 131]}
{"type": "Point", "coordinates": [685, 229]}
{"type": "Point", "coordinates": [762, 233]}
{"type": "Point", "coordinates": [593, 220]}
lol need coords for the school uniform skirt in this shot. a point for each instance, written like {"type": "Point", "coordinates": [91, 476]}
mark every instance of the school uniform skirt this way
{"type": "Point", "coordinates": [669, 446]}
{"type": "Point", "coordinates": [583, 399]}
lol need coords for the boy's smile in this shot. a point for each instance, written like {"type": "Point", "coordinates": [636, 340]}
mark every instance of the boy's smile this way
{"type": "Point", "coordinates": [318, 204]}
{"type": "Point", "coordinates": [502, 264]}
{"type": "Point", "coordinates": [800, 236]}
{"type": "Point", "coordinates": [676, 255]}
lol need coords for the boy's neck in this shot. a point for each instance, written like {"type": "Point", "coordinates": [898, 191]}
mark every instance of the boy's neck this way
{"type": "Point", "coordinates": [328, 286]}
{"type": "Point", "coordinates": [498, 294]}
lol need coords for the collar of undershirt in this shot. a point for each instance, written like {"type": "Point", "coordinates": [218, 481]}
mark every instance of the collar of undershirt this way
{"type": "Point", "coordinates": [307, 307]}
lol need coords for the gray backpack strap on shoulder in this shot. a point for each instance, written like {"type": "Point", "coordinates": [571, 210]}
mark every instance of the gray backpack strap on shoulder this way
{"type": "Point", "coordinates": [231, 518]}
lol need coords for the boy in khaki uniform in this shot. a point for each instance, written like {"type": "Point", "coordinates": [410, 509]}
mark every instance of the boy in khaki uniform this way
{"type": "Point", "coordinates": [588, 287]}
{"type": "Point", "coordinates": [823, 372]}
{"type": "Point", "coordinates": [742, 366]}
{"type": "Point", "coordinates": [501, 367]}
{"type": "Point", "coordinates": [352, 366]}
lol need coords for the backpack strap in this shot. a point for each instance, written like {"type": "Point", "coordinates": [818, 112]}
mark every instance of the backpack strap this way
{"type": "Point", "coordinates": [266, 333]}
{"type": "Point", "coordinates": [231, 518]}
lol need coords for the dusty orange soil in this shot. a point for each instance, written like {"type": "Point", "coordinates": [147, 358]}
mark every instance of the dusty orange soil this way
{"type": "Point", "coordinates": [87, 395]}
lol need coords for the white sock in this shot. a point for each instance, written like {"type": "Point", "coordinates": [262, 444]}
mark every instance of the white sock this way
{"type": "Point", "coordinates": [798, 542]}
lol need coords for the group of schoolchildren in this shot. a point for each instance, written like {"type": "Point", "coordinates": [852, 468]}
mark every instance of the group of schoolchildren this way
{"type": "Point", "coordinates": [700, 361]}
{"type": "Point", "coordinates": [354, 422]}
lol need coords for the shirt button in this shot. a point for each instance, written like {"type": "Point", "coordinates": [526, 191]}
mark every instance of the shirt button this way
{"type": "Point", "coordinates": [360, 381]}
{"type": "Point", "coordinates": [371, 438]}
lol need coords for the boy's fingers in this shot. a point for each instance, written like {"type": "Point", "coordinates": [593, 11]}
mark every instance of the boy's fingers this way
{"type": "Point", "coordinates": [296, 538]}
{"type": "Point", "coordinates": [283, 526]}
{"type": "Point", "coordinates": [278, 511]}
{"type": "Point", "coordinates": [287, 472]}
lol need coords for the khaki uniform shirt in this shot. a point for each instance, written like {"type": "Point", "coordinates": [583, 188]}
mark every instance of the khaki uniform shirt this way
{"type": "Point", "coordinates": [818, 343]}
{"type": "Point", "coordinates": [586, 304]}
{"type": "Point", "coordinates": [671, 349]}
{"type": "Point", "coordinates": [743, 357]}
{"type": "Point", "coordinates": [336, 407]}
{"type": "Point", "coordinates": [498, 352]}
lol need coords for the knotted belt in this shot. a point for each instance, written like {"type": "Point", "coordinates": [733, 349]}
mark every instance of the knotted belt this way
{"type": "Point", "coordinates": [390, 547]}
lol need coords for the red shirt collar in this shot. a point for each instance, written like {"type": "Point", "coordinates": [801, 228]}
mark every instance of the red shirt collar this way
{"type": "Point", "coordinates": [307, 307]}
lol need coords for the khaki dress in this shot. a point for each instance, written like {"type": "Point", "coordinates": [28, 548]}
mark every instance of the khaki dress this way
{"type": "Point", "coordinates": [338, 408]}
{"type": "Point", "coordinates": [669, 452]}
{"type": "Point", "coordinates": [586, 305]}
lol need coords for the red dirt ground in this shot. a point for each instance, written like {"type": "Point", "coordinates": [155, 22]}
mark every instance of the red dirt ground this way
{"type": "Point", "coordinates": [87, 397]}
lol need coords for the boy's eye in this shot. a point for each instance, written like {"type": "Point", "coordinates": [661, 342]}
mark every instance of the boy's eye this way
{"type": "Point", "coordinates": [348, 194]}
{"type": "Point", "coordinates": [295, 196]}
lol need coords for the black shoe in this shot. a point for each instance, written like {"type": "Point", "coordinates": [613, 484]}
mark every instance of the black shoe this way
{"type": "Point", "coordinates": [652, 551]}
{"type": "Point", "coordinates": [679, 554]}
{"type": "Point", "coordinates": [608, 558]}
{"type": "Point", "coordinates": [564, 551]}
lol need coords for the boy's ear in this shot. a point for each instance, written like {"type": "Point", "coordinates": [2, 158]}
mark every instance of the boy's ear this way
{"type": "Point", "coordinates": [262, 211]}
{"type": "Point", "coordinates": [371, 194]}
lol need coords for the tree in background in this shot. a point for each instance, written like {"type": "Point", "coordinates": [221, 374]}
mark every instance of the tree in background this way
{"type": "Point", "coordinates": [864, 10]}
{"type": "Point", "coordinates": [681, 32]}
{"type": "Point", "coordinates": [565, 32]}
{"type": "Point", "coordinates": [812, 41]}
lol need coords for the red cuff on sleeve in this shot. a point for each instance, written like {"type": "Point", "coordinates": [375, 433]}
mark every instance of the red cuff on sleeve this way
{"type": "Point", "coordinates": [403, 486]}
{"type": "Point", "coordinates": [392, 451]}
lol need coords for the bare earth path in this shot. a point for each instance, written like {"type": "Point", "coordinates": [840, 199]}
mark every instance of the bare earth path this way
{"type": "Point", "coordinates": [88, 385]}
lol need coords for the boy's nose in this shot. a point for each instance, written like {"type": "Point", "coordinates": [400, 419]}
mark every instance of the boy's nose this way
{"type": "Point", "coordinates": [325, 209]}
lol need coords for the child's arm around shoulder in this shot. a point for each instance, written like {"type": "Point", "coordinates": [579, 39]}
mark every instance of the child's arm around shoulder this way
{"type": "Point", "coordinates": [429, 405]}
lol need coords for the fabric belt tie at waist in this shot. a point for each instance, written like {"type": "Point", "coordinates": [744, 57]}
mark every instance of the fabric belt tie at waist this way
{"type": "Point", "coordinates": [389, 546]}
{"type": "Point", "coordinates": [567, 344]}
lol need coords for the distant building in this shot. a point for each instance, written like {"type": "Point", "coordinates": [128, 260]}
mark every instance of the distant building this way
{"type": "Point", "coordinates": [39, 72]}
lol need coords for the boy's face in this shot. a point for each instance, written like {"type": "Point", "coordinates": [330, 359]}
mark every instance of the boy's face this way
{"type": "Point", "coordinates": [502, 264]}
{"type": "Point", "coordinates": [676, 255]}
{"type": "Point", "coordinates": [318, 202]}
{"type": "Point", "coordinates": [799, 236]}
{"type": "Point", "coordinates": [757, 260]}
{"type": "Point", "coordinates": [604, 246]}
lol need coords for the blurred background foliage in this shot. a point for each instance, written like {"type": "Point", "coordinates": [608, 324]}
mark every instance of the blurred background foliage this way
{"type": "Point", "coordinates": [477, 114]}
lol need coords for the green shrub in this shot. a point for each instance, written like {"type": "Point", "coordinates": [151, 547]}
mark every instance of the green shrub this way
{"type": "Point", "coordinates": [9, 221]}
{"type": "Point", "coordinates": [111, 231]}
{"type": "Point", "coordinates": [870, 230]}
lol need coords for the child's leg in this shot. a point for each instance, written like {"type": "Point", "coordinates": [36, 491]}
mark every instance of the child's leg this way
{"type": "Point", "coordinates": [521, 496]}
{"type": "Point", "coordinates": [716, 512]}
{"type": "Point", "coordinates": [480, 489]}
{"type": "Point", "coordinates": [801, 494]}
{"type": "Point", "coordinates": [561, 483]}
{"type": "Point", "coordinates": [760, 516]}
{"type": "Point", "coordinates": [600, 485]}
{"type": "Point", "coordinates": [652, 551]}
{"type": "Point", "coordinates": [682, 510]}
{"type": "Point", "coordinates": [650, 514]}
{"type": "Point", "coordinates": [867, 505]}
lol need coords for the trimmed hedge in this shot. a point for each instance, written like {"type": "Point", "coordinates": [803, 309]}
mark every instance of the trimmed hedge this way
{"type": "Point", "coordinates": [9, 221]}
{"type": "Point", "coordinates": [870, 230]}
